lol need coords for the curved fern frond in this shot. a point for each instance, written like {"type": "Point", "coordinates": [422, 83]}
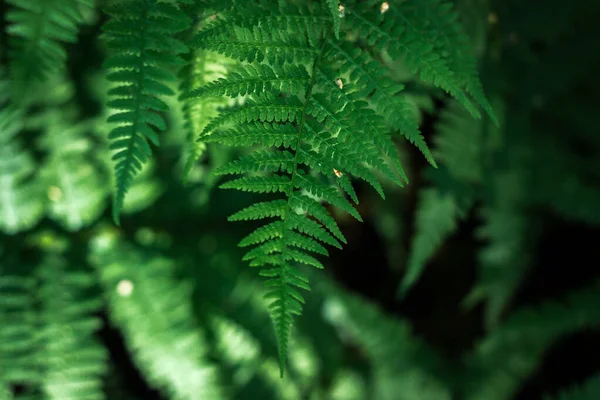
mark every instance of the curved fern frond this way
{"type": "Point", "coordinates": [588, 390]}
{"type": "Point", "coordinates": [200, 68]}
{"type": "Point", "coordinates": [504, 260]}
{"type": "Point", "coordinates": [458, 147]}
{"type": "Point", "coordinates": [436, 220]}
{"type": "Point", "coordinates": [141, 36]}
{"type": "Point", "coordinates": [40, 29]}
{"type": "Point", "coordinates": [18, 341]}
{"type": "Point", "coordinates": [516, 347]}
{"type": "Point", "coordinates": [154, 312]}
{"type": "Point", "coordinates": [74, 362]}
{"type": "Point", "coordinates": [428, 37]}
{"type": "Point", "coordinates": [326, 109]}
{"type": "Point", "coordinates": [21, 204]}
{"type": "Point", "coordinates": [402, 366]}
{"type": "Point", "coordinates": [76, 182]}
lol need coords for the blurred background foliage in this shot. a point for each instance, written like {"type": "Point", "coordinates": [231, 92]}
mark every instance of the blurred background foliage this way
{"type": "Point", "coordinates": [479, 281]}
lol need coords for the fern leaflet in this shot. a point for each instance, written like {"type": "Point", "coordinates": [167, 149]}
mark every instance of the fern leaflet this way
{"type": "Point", "coordinates": [140, 34]}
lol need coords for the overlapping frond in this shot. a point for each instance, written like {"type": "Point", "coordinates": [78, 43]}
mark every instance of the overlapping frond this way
{"type": "Point", "coordinates": [515, 348]}
{"type": "Point", "coordinates": [403, 366]}
{"type": "Point", "coordinates": [18, 341]}
{"type": "Point", "coordinates": [39, 30]}
{"type": "Point", "coordinates": [73, 361]}
{"type": "Point", "coordinates": [588, 390]}
{"type": "Point", "coordinates": [428, 37]}
{"type": "Point", "coordinates": [76, 183]}
{"type": "Point", "coordinates": [507, 231]}
{"type": "Point", "coordinates": [154, 312]}
{"type": "Point", "coordinates": [459, 148]}
{"type": "Point", "coordinates": [141, 37]}
{"type": "Point", "coordinates": [21, 204]}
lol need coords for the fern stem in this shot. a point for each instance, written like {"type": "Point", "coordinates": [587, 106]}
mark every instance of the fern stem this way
{"type": "Point", "coordinates": [290, 191]}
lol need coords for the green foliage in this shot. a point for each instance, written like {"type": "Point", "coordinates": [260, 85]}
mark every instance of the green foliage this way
{"type": "Point", "coordinates": [39, 31]}
{"type": "Point", "coordinates": [588, 390]}
{"type": "Point", "coordinates": [298, 108]}
{"type": "Point", "coordinates": [294, 100]}
{"type": "Point", "coordinates": [152, 311]}
{"type": "Point", "coordinates": [20, 205]}
{"type": "Point", "coordinates": [141, 37]}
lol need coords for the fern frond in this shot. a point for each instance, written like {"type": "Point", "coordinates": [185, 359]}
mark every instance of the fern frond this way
{"type": "Point", "coordinates": [429, 39]}
{"type": "Point", "coordinates": [21, 202]}
{"type": "Point", "coordinates": [402, 366]}
{"type": "Point", "coordinates": [39, 31]}
{"type": "Point", "coordinates": [436, 219]}
{"type": "Point", "coordinates": [200, 68]}
{"type": "Point", "coordinates": [504, 260]}
{"type": "Point", "coordinates": [588, 390]}
{"type": "Point", "coordinates": [18, 341]}
{"type": "Point", "coordinates": [369, 79]}
{"type": "Point", "coordinates": [515, 348]}
{"type": "Point", "coordinates": [460, 150]}
{"type": "Point", "coordinates": [336, 15]}
{"type": "Point", "coordinates": [141, 36]}
{"type": "Point", "coordinates": [324, 127]}
{"type": "Point", "coordinates": [74, 362]}
{"type": "Point", "coordinates": [154, 312]}
{"type": "Point", "coordinates": [77, 185]}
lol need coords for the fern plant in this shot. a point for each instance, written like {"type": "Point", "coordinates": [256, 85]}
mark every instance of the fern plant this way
{"type": "Point", "coordinates": [318, 109]}
{"type": "Point", "coordinates": [303, 107]}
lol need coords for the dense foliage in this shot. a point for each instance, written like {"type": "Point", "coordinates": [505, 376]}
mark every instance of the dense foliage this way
{"type": "Point", "coordinates": [320, 115]}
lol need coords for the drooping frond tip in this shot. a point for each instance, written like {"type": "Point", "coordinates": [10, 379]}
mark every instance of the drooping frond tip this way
{"type": "Point", "coordinates": [144, 50]}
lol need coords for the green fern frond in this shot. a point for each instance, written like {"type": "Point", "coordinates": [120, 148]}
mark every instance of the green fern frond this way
{"type": "Point", "coordinates": [588, 390]}
{"type": "Point", "coordinates": [368, 78]}
{"type": "Point", "coordinates": [200, 68]}
{"type": "Point", "coordinates": [154, 312]}
{"type": "Point", "coordinates": [336, 14]}
{"type": "Point", "coordinates": [18, 342]}
{"type": "Point", "coordinates": [515, 348]}
{"type": "Point", "coordinates": [402, 366]}
{"type": "Point", "coordinates": [39, 31]}
{"type": "Point", "coordinates": [76, 182]}
{"type": "Point", "coordinates": [460, 150]}
{"type": "Point", "coordinates": [324, 127]}
{"type": "Point", "coordinates": [429, 39]}
{"type": "Point", "coordinates": [73, 361]}
{"type": "Point", "coordinates": [436, 220]}
{"type": "Point", "coordinates": [504, 260]}
{"type": "Point", "coordinates": [21, 202]}
{"type": "Point", "coordinates": [141, 36]}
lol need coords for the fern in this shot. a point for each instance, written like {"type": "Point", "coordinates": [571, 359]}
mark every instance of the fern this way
{"type": "Point", "coordinates": [39, 30]}
{"type": "Point", "coordinates": [153, 310]}
{"type": "Point", "coordinates": [77, 185]}
{"type": "Point", "coordinates": [73, 361]}
{"type": "Point", "coordinates": [403, 367]}
{"type": "Point", "coordinates": [428, 37]}
{"type": "Point", "coordinates": [504, 260]}
{"type": "Point", "coordinates": [436, 219]}
{"type": "Point", "coordinates": [589, 390]}
{"type": "Point", "coordinates": [17, 331]}
{"type": "Point", "coordinates": [21, 203]}
{"type": "Point", "coordinates": [325, 126]}
{"type": "Point", "coordinates": [141, 36]}
{"type": "Point", "coordinates": [458, 147]}
{"type": "Point", "coordinates": [514, 349]}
